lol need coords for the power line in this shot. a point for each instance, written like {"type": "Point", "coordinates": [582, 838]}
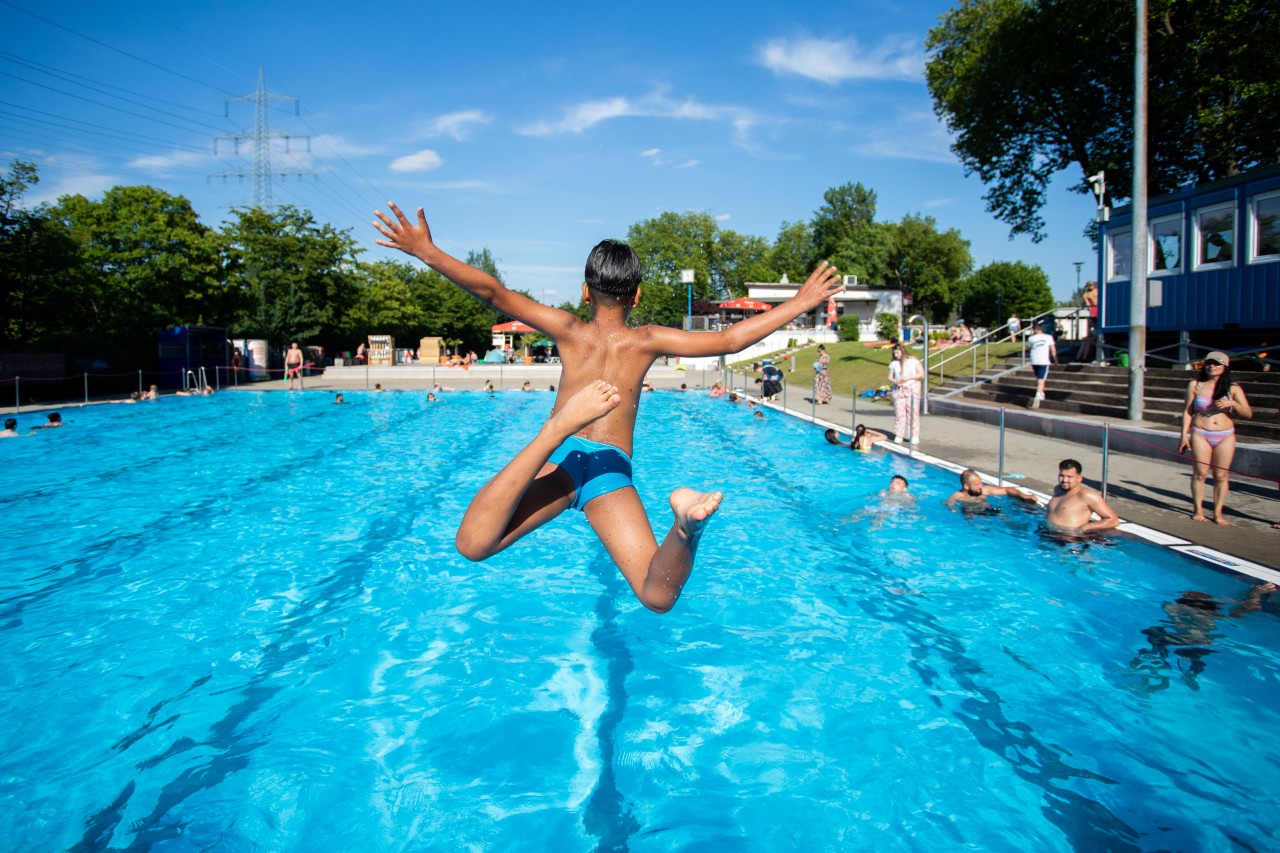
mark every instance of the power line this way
{"type": "Point", "coordinates": [132, 56]}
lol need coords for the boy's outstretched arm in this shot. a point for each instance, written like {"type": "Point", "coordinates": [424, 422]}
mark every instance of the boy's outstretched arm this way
{"type": "Point", "coordinates": [823, 283]}
{"type": "Point", "coordinates": [415, 239]}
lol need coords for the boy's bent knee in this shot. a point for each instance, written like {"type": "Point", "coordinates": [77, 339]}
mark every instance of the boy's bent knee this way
{"type": "Point", "coordinates": [659, 603]}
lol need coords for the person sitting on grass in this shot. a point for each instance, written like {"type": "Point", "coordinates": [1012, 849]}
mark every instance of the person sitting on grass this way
{"type": "Point", "coordinates": [581, 457]}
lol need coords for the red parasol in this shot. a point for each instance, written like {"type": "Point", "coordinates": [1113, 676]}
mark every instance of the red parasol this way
{"type": "Point", "coordinates": [514, 327]}
{"type": "Point", "coordinates": [745, 303]}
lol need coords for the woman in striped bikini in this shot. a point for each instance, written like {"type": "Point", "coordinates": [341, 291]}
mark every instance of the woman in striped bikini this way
{"type": "Point", "coordinates": [1212, 398]}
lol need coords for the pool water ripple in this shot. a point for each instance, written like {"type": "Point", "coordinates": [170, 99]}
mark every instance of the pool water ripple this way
{"type": "Point", "coordinates": [241, 622]}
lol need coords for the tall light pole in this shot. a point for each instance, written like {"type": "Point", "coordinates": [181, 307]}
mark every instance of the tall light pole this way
{"type": "Point", "coordinates": [924, 397]}
{"type": "Point", "coordinates": [686, 278]}
{"type": "Point", "coordinates": [1075, 325]}
{"type": "Point", "coordinates": [1138, 254]}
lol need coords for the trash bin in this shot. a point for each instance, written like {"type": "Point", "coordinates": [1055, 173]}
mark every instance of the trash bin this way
{"type": "Point", "coordinates": [1122, 358]}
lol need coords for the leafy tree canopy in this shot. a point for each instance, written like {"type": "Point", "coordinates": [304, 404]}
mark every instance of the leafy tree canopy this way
{"type": "Point", "coordinates": [1005, 288]}
{"type": "Point", "coordinates": [1034, 87]}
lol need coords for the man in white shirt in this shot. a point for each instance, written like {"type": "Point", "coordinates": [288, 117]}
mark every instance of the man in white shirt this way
{"type": "Point", "coordinates": [1044, 350]}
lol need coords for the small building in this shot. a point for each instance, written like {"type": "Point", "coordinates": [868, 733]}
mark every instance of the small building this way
{"type": "Point", "coordinates": [1213, 267]}
{"type": "Point", "coordinates": [192, 355]}
{"type": "Point", "coordinates": [855, 300]}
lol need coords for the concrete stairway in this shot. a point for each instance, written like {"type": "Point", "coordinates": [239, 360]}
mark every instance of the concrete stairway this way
{"type": "Point", "coordinates": [1086, 389]}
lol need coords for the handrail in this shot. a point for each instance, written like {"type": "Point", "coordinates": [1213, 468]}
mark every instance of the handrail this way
{"type": "Point", "coordinates": [985, 340]}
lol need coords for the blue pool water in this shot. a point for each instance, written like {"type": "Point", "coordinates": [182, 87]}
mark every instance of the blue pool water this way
{"type": "Point", "coordinates": [239, 623]}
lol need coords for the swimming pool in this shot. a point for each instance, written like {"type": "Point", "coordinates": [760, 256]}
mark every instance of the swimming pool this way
{"type": "Point", "coordinates": [240, 621]}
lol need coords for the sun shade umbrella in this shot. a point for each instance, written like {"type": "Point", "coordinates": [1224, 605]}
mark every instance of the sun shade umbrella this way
{"type": "Point", "coordinates": [746, 303]}
{"type": "Point", "coordinates": [514, 327]}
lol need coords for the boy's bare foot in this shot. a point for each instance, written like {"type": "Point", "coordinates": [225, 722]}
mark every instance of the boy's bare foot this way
{"type": "Point", "coordinates": [693, 510]}
{"type": "Point", "coordinates": [1199, 516]}
{"type": "Point", "coordinates": [593, 402]}
{"type": "Point", "coordinates": [1220, 521]}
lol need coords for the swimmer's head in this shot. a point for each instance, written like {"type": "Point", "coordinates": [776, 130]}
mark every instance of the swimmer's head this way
{"type": "Point", "coordinates": [613, 270]}
{"type": "Point", "coordinates": [55, 418]}
{"type": "Point", "coordinates": [898, 483]}
{"type": "Point", "coordinates": [1198, 600]}
{"type": "Point", "coordinates": [971, 481]}
{"type": "Point", "coordinates": [832, 436]}
{"type": "Point", "coordinates": [431, 398]}
{"type": "Point", "coordinates": [1070, 474]}
{"type": "Point", "coordinates": [10, 423]}
{"type": "Point", "coordinates": [859, 431]}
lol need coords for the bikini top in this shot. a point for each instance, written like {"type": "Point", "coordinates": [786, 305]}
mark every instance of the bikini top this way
{"type": "Point", "coordinates": [1202, 404]}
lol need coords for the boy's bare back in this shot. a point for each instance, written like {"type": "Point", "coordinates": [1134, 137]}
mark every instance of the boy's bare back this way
{"type": "Point", "coordinates": [604, 347]}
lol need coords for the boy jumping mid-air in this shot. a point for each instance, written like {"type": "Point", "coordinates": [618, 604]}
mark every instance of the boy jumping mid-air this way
{"type": "Point", "coordinates": [581, 457]}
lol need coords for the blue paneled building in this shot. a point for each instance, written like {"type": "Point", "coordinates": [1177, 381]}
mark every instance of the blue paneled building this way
{"type": "Point", "coordinates": [1213, 266]}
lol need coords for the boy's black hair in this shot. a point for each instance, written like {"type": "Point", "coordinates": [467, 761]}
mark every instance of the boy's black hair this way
{"type": "Point", "coordinates": [613, 268]}
{"type": "Point", "coordinates": [1066, 464]}
{"type": "Point", "coordinates": [902, 478]}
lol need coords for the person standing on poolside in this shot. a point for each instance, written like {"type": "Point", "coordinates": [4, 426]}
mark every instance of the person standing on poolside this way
{"type": "Point", "coordinates": [821, 377]}
{"type": "Point", "coordinates": [1212, 398]}
{"type": "Point", "coordinates": [581, 457]}
{"type": "Point", "coordinates": [1073, 505]}
{"type": "Point", "coordinates": [974, 491]}
{"type": "Point", "coordinates": [905, 373]}
{"type": "Point", "coordinates": [1044, 350]}
{"type": "Point", "coordinates": [293, 363]}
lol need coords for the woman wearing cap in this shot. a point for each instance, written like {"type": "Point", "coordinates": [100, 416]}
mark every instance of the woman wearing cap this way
{"type": "Point", "coordinates": [1212, 398]}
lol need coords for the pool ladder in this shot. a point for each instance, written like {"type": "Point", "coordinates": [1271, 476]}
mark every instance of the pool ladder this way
{"type": "Point", "coordinates": [190, 381]}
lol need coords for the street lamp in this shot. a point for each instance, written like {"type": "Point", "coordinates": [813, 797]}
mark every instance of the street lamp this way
{"type": "Point", "coordinates": [924, 396]}
{"type": "Point", "coordinates": [686, 278]}
{"type": "Point", "coordinates": [1076, 325]}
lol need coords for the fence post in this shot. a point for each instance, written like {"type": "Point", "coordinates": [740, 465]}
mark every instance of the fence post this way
{"type": "Point", "coordinates": [974, 377]}
{"type": "Point", "coordinates": [1106, 447]}
{"type": "Point", "coordinates": [813, 401]}
{"type": "Point", "coordinates": [139, 382]}
{"type": "Point", "coordinates": [853, 413]}
{"type": "Point", "coordinates": [86, 388]}
{"type": "Point", "coordinates": [17, 398]}
{"type": "Point", "coordinates": [1000, 470]}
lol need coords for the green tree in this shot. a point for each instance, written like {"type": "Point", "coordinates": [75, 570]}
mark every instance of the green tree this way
{"type": "Point", "coordinates": [150, 263]}
{"type": "Point", "coordinates": [451, 312]}
{"type": "Point", "coordinates": [793, 252]}
{"type": "Point", "coordinates": [847, 212]}
{"type": "Point", "coordinates": [1032, 88]}
{"type": "Point", "coordinates": [927, 263]}
{"type": "Point", "coordinates": [385, 303]}
{"type": "Point", "coordinates": [1005, 288]}
{"type": "Point", "coordinates": [297, 278]}
{"type": "Point", "coordinates": [40, 286]}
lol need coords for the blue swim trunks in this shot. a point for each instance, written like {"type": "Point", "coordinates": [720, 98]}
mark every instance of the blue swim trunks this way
{"type": "Point", "coordinates": [595, 468]}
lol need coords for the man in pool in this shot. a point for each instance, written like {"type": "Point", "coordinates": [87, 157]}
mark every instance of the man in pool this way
{"type": "Point", "coordinates": [10, 428]}
{"type": "Point", "coordinates": [974, 492]}
{"type": "Point", "coordinates": [581, 457]}
{"type": "Point", "coordinates": [1073, 505]}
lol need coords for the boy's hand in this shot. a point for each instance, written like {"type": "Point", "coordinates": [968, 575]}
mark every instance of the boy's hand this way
{"type": "Point", "coordinates": [413, 239]}
{"type": "Point", "coordinates": [823, 282]}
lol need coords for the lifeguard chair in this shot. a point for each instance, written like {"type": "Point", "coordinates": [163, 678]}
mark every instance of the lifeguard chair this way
{"type": "Point", "coordinates": [382, 350]}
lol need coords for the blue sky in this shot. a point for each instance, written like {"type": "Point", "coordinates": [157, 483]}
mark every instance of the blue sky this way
{"type": "Point", "coordinates": [534, 130]}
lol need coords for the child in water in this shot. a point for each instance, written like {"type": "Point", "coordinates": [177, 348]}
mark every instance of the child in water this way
{"type": "Point", "coordinates": [581, 457]}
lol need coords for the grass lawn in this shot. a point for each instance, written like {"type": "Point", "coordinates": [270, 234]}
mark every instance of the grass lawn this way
{"type": "Point", "coordinates": [856, 363]}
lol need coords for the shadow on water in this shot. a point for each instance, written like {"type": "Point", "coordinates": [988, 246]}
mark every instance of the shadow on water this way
{"type": "Point", "coordinates": [607, 816]}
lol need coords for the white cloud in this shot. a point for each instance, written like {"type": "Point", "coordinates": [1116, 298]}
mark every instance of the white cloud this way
{"type": "Point", "coordinates": [423, 161]}
{"type": "Point", "coordinates": [164, 164]}
{"type": "Point", "coordinates": [723, 217]}
{"type": "Point", "coordinates": [937, 202]}
{"type": "Point", "coordinates": [584, 116]}
{"type": "Point", "coordinates": [651, 152]}
{"type": "Point", "coordinates": [910, 136]}
{"type": "Point", "coordinates": [689, 164]}
{"type": "Point", "coordinates": [834, 61]}
{"type": "Point", "coordinates": [457, 125]}
{"type": "Point", "coordinates": [89, 185]}
{"type": "Point", "coordinates": [341, 146]}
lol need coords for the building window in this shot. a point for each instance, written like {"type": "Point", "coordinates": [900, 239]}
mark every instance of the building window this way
{"type": "Point", "coordinates": [1119, 246]}
{"type": "Point", "coordinates": [1166, 245]}
{"type": "Point", "coordinates": [1266, 227]}
{"type": "Point", "coordinates": [1215, 236]}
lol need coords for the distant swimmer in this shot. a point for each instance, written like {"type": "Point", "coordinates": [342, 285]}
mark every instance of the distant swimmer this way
{"type": "Point", "coordinates": [974, 492]}
{"type": "Point", "coordinates": [1073, 505]}
{"type": "Point", "coordinates": [339, 399]}
{"type": "Point", "coordinates": [10, 428]}
{"type": "Point", "coordinates": [54, 420]}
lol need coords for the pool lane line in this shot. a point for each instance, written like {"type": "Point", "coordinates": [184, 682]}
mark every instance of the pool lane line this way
{"type": "Point", "coordinates": [1219, 559]}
